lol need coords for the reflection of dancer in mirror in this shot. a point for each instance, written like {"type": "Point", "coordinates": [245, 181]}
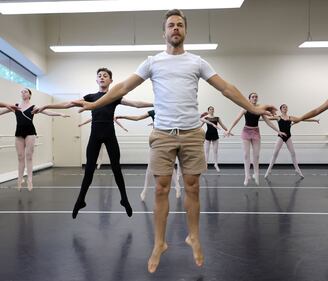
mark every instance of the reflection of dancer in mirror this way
{"type": "Point", "coordinates": [25, 136]}
{"type": "Point", "coordinates": [251, 138]}
{"type": "Point", "coordinates": [175, 75]}
{"type": "Point", "coordinates": [101, 153]}
{"type": "Point", "coordinates": [313, 112]}
{"type": "Point", "coordinates": [212, 136]}
{"type": "Point", "coordinates": [102, 131]}
{"type": "Point", "coordinates": [285, 123]}
{"type": "Point", "coordinates": [149, 175]}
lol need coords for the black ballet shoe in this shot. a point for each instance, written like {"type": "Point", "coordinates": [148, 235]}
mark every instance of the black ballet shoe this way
{"type": "Point", "coordinates": [78, 206]}
{"type": "Point", "coordinates": [126, 205]}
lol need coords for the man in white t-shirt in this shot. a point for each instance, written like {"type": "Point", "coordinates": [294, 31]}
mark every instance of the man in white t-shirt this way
{"type": "Point", "coordinates": [177, 129]}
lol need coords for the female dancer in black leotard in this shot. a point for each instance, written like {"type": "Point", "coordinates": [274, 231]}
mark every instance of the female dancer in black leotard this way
{"type": "Point", "coordinates": [212, 136]}
{"type": "Point", "coordinates": [251, 138]}
{"type": "Point", "coordinates": [25, 136]}
{"type": "Point", "coordinates": [102, 131]}
{"type": "Point", "coordinates": [285, 123]}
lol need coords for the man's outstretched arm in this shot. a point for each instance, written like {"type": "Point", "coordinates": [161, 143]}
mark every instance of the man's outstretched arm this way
{"type": "Point", "coordinates": [116, 92]}
{"type": "Point", "coordinates": [232, 93]}
{"type": "Point", "coordinates": [61, 105]}
{"type": "Point", "coordinates": [10, 107]}
{"type": "Point", "coordinates": [312, 113]}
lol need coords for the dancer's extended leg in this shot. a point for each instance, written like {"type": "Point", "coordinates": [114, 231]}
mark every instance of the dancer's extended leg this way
{"type": "Point", "coordinates": [290, 147]}
{"type": "Point", "coordinates": [256, 145]}
{"type": "Point", "coordinates": [276, 151]}
{"type": "Point", "coordinates": [247, 160]}
{"type": "Point", "coordinates": [29, 142]}
{"type": "Point", "coordinates": [161, 210]}
{"type": "Point", "coordinates": [113, 150]}
{"type": "Point", "coordinates": [20, 149]}
{"type": "Point", "coordinates": [93, 149]}
{"type": "Point", "coordinates": [148, 178]}
{"type": "Point", "coordinates": [101, 156]}
{"type": "Point", "coordinates": [192, 206]}
{"type": "Point", "coordinates": [215, 154]}
{"type": "Point", "coordinates": [175, 178]}
{"type": "Point", "coordinates": [207, 149]}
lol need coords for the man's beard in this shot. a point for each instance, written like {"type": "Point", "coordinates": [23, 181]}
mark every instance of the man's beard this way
{"type": "Point", "coordinates": [176, 43]}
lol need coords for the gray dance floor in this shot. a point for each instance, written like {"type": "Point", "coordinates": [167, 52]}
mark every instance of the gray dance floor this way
{"type": "Point", "coordinates": [277, 231]}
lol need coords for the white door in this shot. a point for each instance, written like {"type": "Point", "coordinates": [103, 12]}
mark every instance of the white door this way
{"type": "Point", "coordinates": [67, 134]}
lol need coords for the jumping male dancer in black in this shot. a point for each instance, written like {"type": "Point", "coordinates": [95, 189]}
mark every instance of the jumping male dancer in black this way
{"type": "Point", "coordinates": [102, 131]}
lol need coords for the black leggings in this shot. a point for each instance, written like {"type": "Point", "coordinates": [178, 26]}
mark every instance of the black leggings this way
{"type": "Point", "coordinates": [98, 136]}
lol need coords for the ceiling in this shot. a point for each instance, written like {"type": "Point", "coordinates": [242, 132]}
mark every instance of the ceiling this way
{"type": "Point", "coordinates": [259, 26]}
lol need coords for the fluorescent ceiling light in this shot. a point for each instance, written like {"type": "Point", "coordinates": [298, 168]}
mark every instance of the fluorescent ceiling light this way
{"type": "Point", "coordinates": [53, 7]}
{"type": "Point", "coordinates": [314, 44]}
{"type": "Point", "coordinates": [127, 48]}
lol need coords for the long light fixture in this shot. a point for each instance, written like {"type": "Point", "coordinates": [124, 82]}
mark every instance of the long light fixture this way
{"type": "Point", "coordinates": [314, 44]}
{"type": "Point", "coordinates": [127, 48]}
{"type": "Point", "coordinates": [53, 7]}
{"type": "Point", "coordinates": [309, 43]}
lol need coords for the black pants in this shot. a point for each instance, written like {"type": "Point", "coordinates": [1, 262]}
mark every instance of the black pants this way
{"type": "Point", "coordinates": [102, 133]}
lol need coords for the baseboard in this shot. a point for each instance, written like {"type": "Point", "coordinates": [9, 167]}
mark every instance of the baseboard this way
{"type": "Point", "coordinates": [13, 174]}
{"type": "Point", "coordinates": [229, 166]}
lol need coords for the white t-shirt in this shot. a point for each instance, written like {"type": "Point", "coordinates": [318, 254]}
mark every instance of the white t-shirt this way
{"type": "Point", "coordinates": [175, 86]}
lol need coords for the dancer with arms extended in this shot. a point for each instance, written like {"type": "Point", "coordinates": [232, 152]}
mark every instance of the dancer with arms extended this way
{"type": "Point", "coordinates": [285, 123]}
{"type": "Point", "coordinates": [102, 131]}
{"type": "Point", "coordinates": [251, 138]}
{"type": "Point", "coordinates": [177, 128]}
{"type": "Point", "coordinates": [212, 136]}
{"type": "Point", "coordinates": [25, 136]}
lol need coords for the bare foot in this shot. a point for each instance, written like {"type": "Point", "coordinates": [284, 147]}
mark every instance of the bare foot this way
{"type": "Point", "coordinates": [155, 257]}
{"type": "Point", "coordinates": [197, 251]}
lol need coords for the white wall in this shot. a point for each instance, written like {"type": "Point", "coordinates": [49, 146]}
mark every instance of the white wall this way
{"type": "Point", "coordinates": [27, 35]}
{"type": "Point", "coordinates": [298, 80]}
{"type": "Point", "coordinates": [273, 28]}
{"type": "Point", "coordinates": [10, 93]}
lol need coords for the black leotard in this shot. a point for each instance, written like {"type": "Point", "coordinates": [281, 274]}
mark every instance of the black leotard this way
{"type": "Point", "coordinates": [212, 132]}
{"type": "Point", "coordinates": [252, 120]}
{"type": "Point", "coordinates": [284, 126]}
{"type": "Point", "coordinates": [24, 126]}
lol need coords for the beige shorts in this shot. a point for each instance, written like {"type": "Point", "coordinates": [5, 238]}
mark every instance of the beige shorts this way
{"type": "Point", "coordinates": [187, 145]}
